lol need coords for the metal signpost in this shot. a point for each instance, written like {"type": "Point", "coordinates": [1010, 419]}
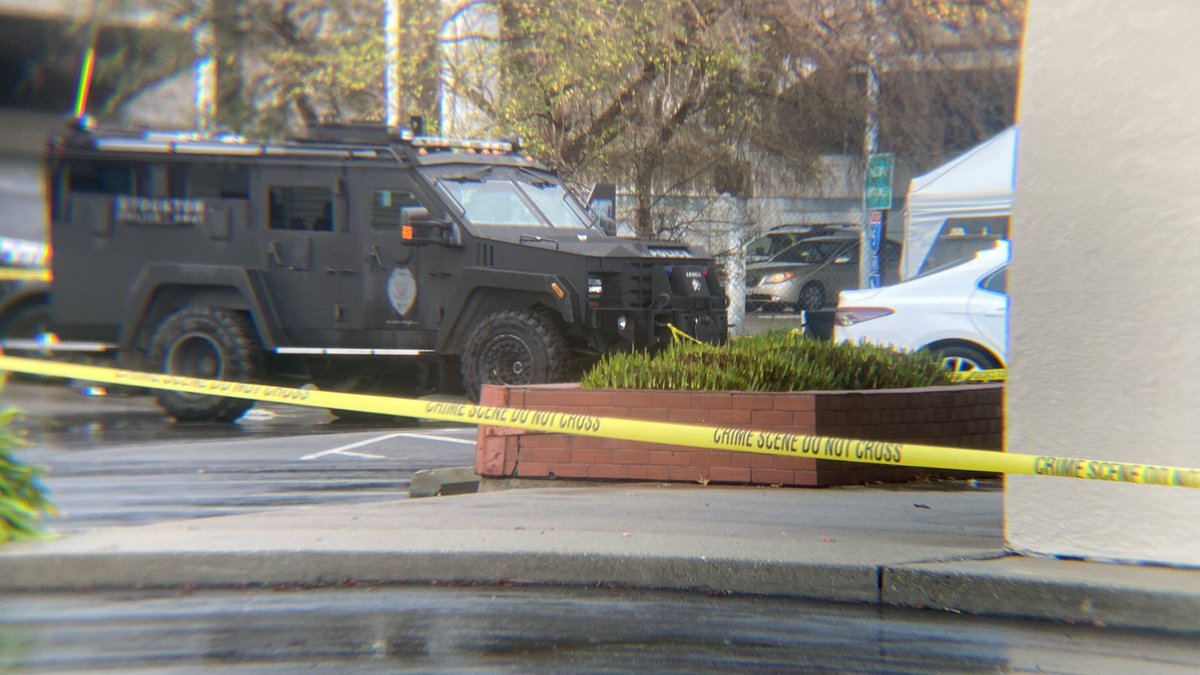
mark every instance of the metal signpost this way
{"type": "Point", "coordinates": [877, 199]}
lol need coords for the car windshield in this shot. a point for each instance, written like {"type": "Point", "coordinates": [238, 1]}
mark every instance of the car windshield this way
{"type": "Point", "coordinates": [812, 252]}
{"type": "Point", "coordinates": [523, 198]}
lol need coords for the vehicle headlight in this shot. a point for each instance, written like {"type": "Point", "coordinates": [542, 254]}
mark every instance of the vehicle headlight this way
{"type": "Point", "coordinates": [595, 287]}
{"type": "Point", "coordinates": [779, 277]}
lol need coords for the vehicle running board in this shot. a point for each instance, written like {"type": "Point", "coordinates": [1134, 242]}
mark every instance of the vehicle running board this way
{"type": "Point", "coordinates": [27, 345]}
{"type": "Point", "coordinates": [342, 351]}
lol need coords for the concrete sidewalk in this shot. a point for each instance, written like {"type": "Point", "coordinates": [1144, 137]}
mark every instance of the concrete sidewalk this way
{"type": "Point", "coordinates": [905, 546]}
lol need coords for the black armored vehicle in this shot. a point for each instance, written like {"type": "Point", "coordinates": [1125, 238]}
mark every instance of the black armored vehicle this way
{"type": "Point", "coordinates": [354, 259]}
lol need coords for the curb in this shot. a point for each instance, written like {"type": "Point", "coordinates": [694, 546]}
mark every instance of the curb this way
{"type": "Point", "coordinates": [459, 480]}
{"type": "Point", "coordinates": [1077, 592]}
{"type": "Point", "coordinates": [36, 573]}
{"type": "Point", "coordinates": [1007, 587]}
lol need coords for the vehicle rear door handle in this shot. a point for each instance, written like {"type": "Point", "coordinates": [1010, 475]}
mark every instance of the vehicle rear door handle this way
{"type": "Point", "coordinates": [333, 270]}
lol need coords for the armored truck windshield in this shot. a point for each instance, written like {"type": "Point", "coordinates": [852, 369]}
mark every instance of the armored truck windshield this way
{"type": "Point", "coordinates": [509, 196]}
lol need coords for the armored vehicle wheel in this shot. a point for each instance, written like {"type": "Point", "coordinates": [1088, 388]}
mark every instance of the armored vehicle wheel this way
{"type": "Point", "coordinates": [514, 347]}
{"type": "Point", "coordinates": [209, 343]}
{"type": "Point", "coordinates": [26, 321]}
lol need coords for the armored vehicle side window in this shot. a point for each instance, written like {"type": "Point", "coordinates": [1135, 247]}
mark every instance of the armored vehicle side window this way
{"type": "Point", "coordinates": [203, 181]}
{"type": "Point", "coordinates": [111, 178]}
{"type": "Point", "coordinates": [389, 207]}
{"type": "Point", "coordinates": [301, 207]}
{"type": "Point", "coordinates": [556, 204]}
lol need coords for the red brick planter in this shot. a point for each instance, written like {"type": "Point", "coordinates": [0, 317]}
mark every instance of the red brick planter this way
{"type": "Point", "coordinates": [966, 416]}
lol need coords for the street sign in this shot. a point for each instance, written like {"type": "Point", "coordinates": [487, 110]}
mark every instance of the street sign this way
{"type": "Point", "coordinates": [875, 232]}
{"type": "Point", "coordinates": [874, 236]}
{"type": "Point", "coordinates": [878, 185]}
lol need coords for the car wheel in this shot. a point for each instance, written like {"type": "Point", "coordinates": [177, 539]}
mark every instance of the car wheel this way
{"type": "Point", "coordinates": [965, 358]}
{"type": "Point", "coordinates": [514, 348]}
{"type": "Point", "coordinates": [209, 343]}
{"type": "Point", "coordinates": [812, 297]}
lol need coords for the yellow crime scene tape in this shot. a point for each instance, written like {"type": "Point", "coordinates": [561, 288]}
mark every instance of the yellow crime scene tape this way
{"type": "Point", "coordinates": [996, 375]}
{"type": "Point", "coordinates": [696, 436]}
{"type": "Point", "coordinates": [19, 274]}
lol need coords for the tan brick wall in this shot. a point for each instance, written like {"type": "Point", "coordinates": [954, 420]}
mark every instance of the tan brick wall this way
{"type": "Point", "coordinates": [964, 416]}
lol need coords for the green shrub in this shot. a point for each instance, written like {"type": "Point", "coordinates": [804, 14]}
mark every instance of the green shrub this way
{"type": "Point", "coordinates": [773, 361]}
{"type": "Point", "coordinates": [23, 500]}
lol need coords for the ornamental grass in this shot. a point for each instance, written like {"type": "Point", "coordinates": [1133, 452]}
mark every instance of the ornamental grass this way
{"type": "Point", "coordinates": [23, 500]}
{"type": "Point", "coordinates": [775, 361]}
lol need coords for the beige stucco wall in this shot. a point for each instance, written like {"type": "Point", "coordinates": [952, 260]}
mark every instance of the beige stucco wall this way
{"type": "Point", "coordinates": [1105, 281]}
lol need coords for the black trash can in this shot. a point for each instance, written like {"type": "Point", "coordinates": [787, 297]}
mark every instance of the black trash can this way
{"type": "Point", "coordinates": [818, 323]}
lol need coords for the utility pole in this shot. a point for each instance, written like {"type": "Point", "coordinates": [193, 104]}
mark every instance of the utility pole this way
{"type": "Point", "coordinates": [391, 31]}
{"type": "Point", "coordinates": [205, 71]}
{"type": "Point", "coordinates": [870, 145]}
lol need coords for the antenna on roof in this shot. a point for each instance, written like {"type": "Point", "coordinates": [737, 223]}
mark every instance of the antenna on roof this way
{"type": "Point", "coordinates": [85, 82]}
{"type": "Point", "coordinates": [85, 73]}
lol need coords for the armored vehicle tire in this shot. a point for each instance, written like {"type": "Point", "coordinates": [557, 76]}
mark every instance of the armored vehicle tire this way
{"type": "Point", "coordinates": [209, 343]}
{"type": "Point", "coordinates": [26, 321]}
{"type": "Point", "coordinates": [514, 347]}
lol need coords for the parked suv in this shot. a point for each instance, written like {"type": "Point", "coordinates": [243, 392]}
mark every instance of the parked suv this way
{"type": "Point", "coordinates": [356, 259]}
{"type": "Point", "coordinates": [809, 274]}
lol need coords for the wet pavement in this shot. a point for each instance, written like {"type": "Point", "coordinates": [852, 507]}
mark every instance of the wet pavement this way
{"type": "Point", "coordinates": [542, 630]}
{"type": "Point", "coordinates": [117, 461]}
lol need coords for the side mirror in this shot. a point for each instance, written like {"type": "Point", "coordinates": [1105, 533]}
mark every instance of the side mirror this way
{"type": "Point", "coordinates": [603, 201]}
{"type": "Point", "coordinates": [419, 232]}
{"type": "Point", "coordinates": [608, 225]}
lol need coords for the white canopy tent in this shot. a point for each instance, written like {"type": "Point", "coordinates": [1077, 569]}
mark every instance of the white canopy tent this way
{"type": "Point", "coordinates": [978, 183]}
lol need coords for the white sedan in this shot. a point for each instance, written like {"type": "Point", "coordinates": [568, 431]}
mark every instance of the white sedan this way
{"type": "Point", "coordinates": [959, 311]}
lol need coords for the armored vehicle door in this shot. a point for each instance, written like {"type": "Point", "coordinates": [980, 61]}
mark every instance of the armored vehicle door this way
{"type": "Point", "coordinates": [406, 284]}
{"type": "Point", "coordinates": [309, 255]}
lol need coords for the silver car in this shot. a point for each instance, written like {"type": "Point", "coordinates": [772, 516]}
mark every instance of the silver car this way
{"type": "Point", "coordinates": [809, 274]}
{"type": "Point", "coordinates": [775, 240]}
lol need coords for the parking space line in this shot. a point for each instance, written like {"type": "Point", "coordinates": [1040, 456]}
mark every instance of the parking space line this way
{"type": "Point", "coordinates": [346, 449]}
{"type": "Point", "coordinates": [351, 446]}
{"type": "Point", "coordinates": [430, 437]}
{"type": "Point", "coordinates": [367, 455]}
